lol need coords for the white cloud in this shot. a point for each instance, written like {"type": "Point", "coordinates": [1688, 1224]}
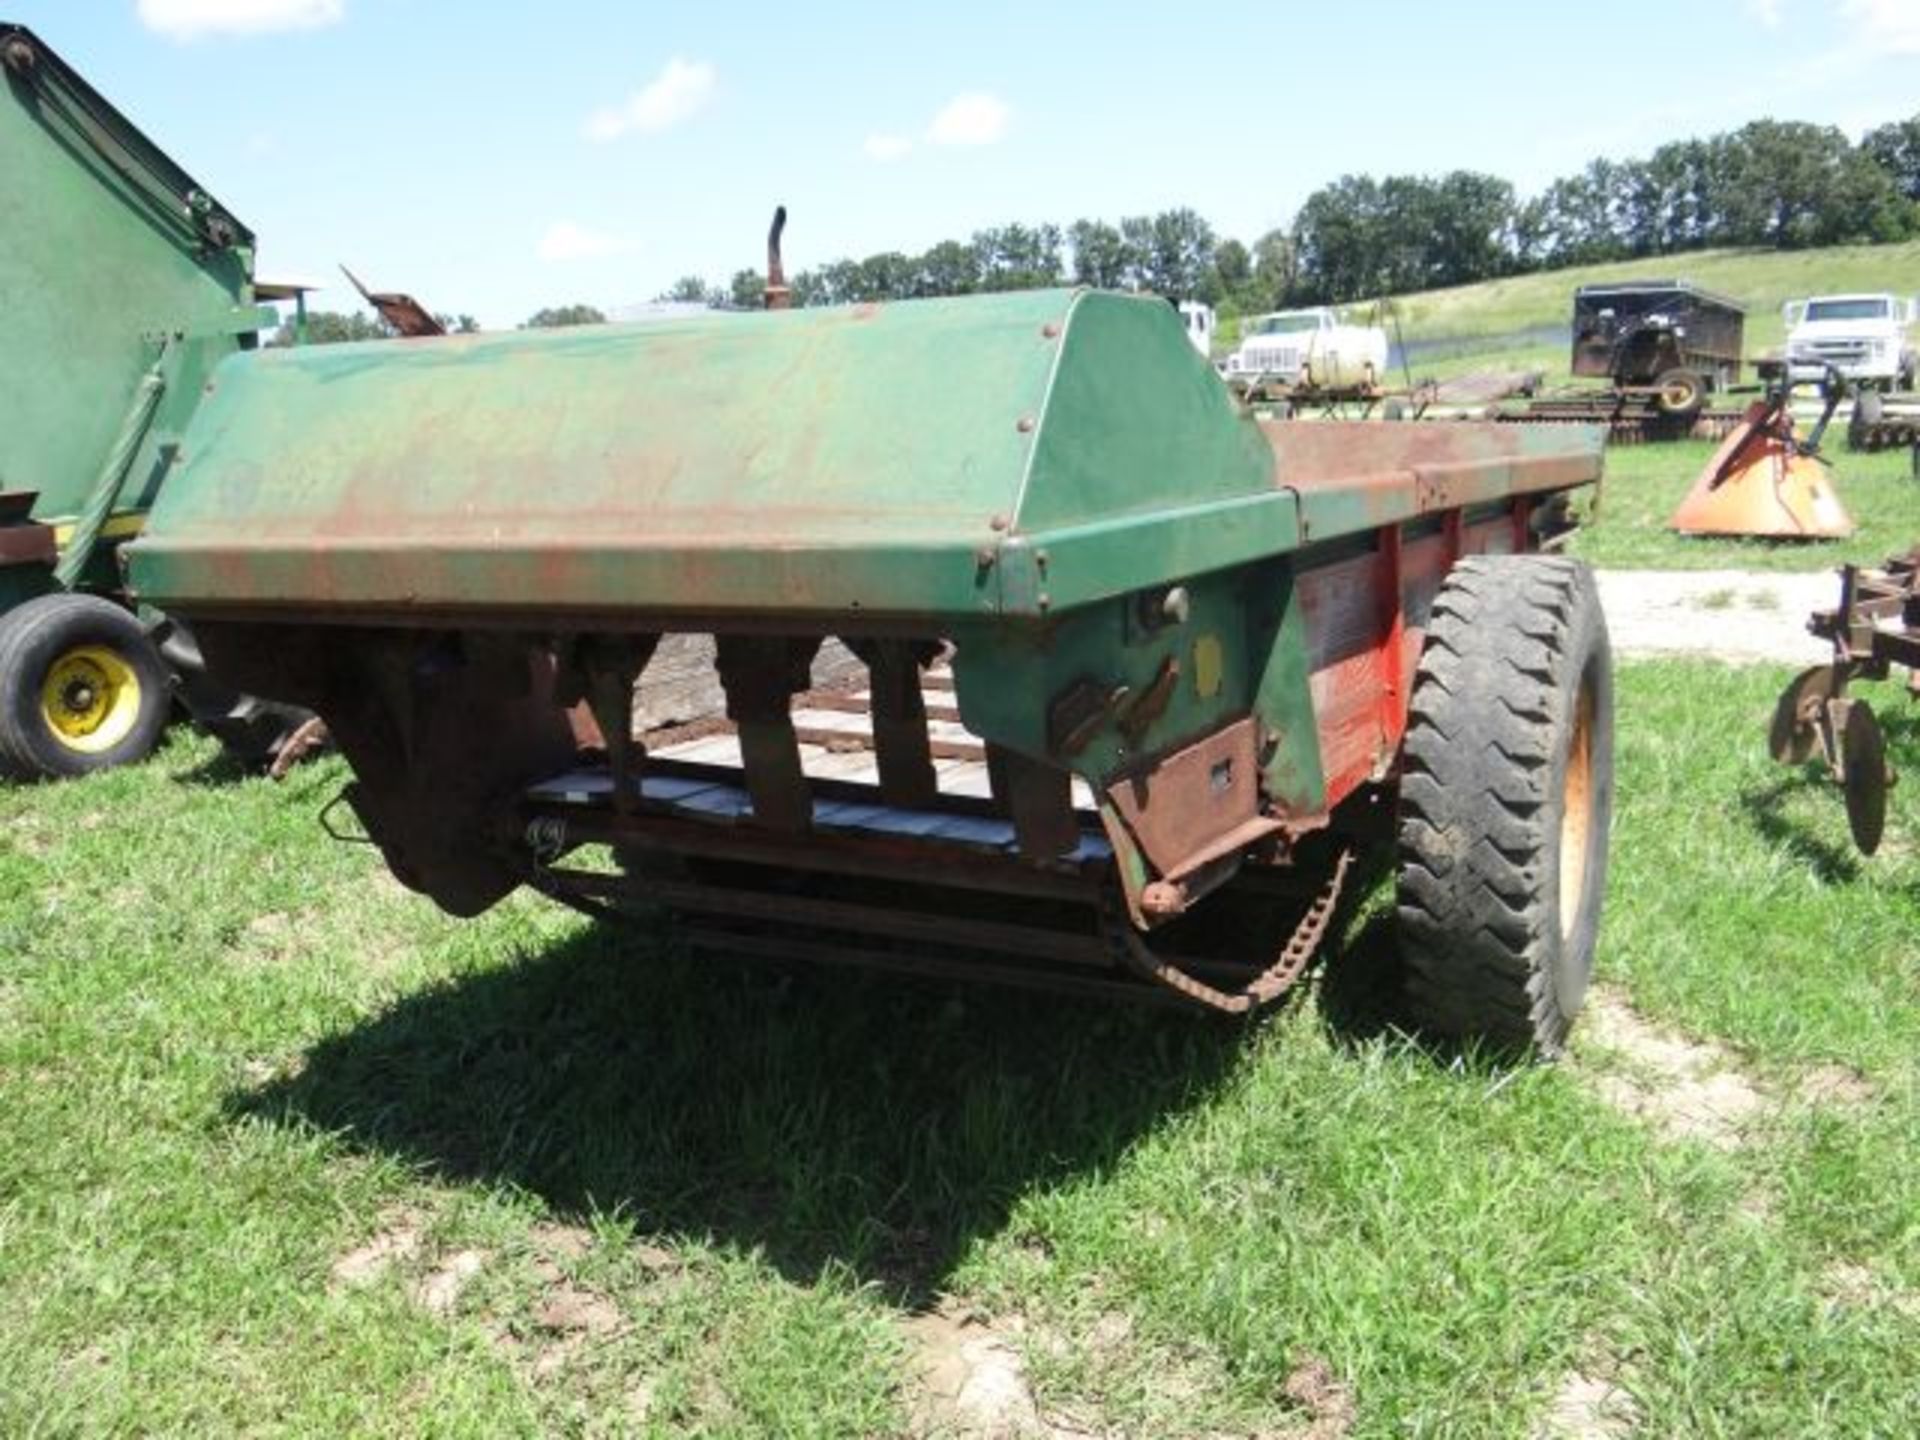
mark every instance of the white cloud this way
{"type": "Point", "coordinates": [568, 240]}
{"type": "Point", "coordinates": [1766, 13]}
{"type": "Point", "coordinates": [887, 147]}
{"type": "Point", "coordinates": [675, 93]}
{"type": "Point", "coordinates": [184, 19]}
{"type": "Point", "coordinates": [975, 118]}
{"type": "Point", "coordinates": [1887, 26]}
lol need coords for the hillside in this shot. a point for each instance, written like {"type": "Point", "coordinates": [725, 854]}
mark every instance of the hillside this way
{"type": "Point", "coordinates": [1522, 321]}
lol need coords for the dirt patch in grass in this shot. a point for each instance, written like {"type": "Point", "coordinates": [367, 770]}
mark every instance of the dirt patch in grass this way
{"type": "Point", "coordinates": [1833, 1085]}
{"type": "Point", "coordinates": [559, 1241]}
{"type": "Point", "coordinates": [396, 1241]}
{"type": "Point", "coordinates": [1685, 1088]}
{"type": "Point", "coordinates": [969, 1380]}
{"type": "Point", "coordinates": [1589, 1407]}
{"type": "Point", "coordinates": [438, 1291]}
{"type": "Point", "coordinates": [564, 1318]}
{"type": "Point", "coordinates": [1692, 1089]}
{"type": "Point", "coordinates": [1859, 1287]}
{"type": "Point", "coordinates": [1328, 1404]}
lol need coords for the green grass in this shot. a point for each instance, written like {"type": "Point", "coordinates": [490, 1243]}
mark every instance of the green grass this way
{"type": "Point", "coordinates": [1644, 484]}
{"type": "Point", "coordinates": [231, 1052]}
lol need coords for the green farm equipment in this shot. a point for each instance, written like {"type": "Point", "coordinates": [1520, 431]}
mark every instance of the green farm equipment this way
{"type": "Point", "coordinates": [1144, 684]}
{"type": "Point", "coordinates": [124, 284]}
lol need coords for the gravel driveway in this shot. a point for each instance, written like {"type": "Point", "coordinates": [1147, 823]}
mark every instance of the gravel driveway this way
{"type": "Point", "coordinates": [1737, 616]}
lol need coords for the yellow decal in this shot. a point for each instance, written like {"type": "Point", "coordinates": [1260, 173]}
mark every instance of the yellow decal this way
{"type": "Point", "coordinates": [1207, 666]}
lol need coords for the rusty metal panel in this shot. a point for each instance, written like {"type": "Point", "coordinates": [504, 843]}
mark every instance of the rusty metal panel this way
{"type": "Point", "coordinates": [814, 460]}
{"type": "Point", "coordinates": [1179, 807]}
{"type": "Point", "coordinates": [1007, 454]}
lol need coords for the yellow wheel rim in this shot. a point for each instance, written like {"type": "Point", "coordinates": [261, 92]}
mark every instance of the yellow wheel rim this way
{"type": "Point", "coordinates": [90, 699]}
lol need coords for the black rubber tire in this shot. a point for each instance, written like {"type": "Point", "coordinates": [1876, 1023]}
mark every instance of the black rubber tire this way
{"type": "Point", "coordinates": [33, 638]}
{"type": "Point", "coordinates": [1515, 666]}
{"type": "Point", "coordinates": [1868, 407]}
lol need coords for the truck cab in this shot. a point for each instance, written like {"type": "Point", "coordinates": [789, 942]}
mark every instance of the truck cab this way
{"type": "Point", "coordinates": [1200, 322]}
{"type": "Point", "coordinates": [1309, 349]}
{"type": "Point", "coordinates": [1867, 338]}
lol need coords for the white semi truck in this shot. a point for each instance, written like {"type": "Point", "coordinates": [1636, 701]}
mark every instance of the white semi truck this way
{"type": "Point", "coordinates": [1867, 338]}
{"type": "Point", "coordinates": [1309, 349]}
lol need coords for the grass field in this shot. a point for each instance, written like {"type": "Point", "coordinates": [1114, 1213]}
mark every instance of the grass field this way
{"type": "Point", "coordinates": [283, 1151]}
{"type": "Point", "coordinates": [1644, 483]}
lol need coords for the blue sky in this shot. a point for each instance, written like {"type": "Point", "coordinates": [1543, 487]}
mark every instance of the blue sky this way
{"type": "Point", "coordinates": [494, 157]}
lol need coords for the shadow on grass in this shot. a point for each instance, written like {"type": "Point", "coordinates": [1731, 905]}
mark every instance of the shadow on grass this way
{"type": "Point", "coordinates": [1363, 986]}
{"type": "Point", "coordinates": [818, 1117]}
{"type": "Point", "coordinates": [1768, 806]}
{"type": "Point", "coordinates": [1767, 809]}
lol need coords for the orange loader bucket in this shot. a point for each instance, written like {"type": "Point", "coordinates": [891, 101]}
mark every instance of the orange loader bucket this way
{"type": "Point", "coordinates": [1761, 482]}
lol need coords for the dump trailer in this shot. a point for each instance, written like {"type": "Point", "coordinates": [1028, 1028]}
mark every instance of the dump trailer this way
{"type": "Point", "coordinates": [1668, 338]}
{"type": "Point", "coordinates": [125, 284]}
{"type": "Point", "coordinates": [1148, 682]}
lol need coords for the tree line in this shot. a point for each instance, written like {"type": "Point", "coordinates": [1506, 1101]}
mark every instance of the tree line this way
{"type": "Point", "coordinates": [1769, 184]}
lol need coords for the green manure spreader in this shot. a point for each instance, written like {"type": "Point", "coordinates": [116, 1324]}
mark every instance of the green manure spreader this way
{"type": "Point", "coordinates": [1138, 685]}
{"type": "Point", "coordinates": [122, 285]}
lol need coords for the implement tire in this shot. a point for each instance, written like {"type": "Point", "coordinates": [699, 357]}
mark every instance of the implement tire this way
{"type": "Point", "coordinates": [1506, 796]}
{"type": "Point", "coordinates": [81, 688]}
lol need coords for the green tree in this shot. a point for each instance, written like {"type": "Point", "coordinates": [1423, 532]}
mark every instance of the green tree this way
{"type": "Point", "coordinates": [687, 290]}
{"type": "Point", "coordinates": [1276, 273]}
{"type": "Point", "coordinates": [1018, 257]}
{"type": "Point", "coordinates": [1895, 148]}
{"type": "Point", "coordinates": [1790, 185]}
{"type": "Point", "coordinates": [889, 275]}
{"type": "Point", "coordinates": [334, 327]}
{"type": "Point", "coordinates": [1102, 257]}
{"type": "Point", "coordinates": [562, 315]}
{"type": "Point", "coordinates": [949, 268]}
{"type": "Point", "coordinates": [747, 290]}
{"type": "Point", "coordinates": [1171, 253]}
{"type": "Point", "coordinates": [1232, 269]}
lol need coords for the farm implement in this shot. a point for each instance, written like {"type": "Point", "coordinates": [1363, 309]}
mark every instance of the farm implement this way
{"type": "Point", "coordinates": [126, 283]}
{"type": "Point", "coordinates": [1765, 480]}
{"type": "Point", "coordinates": [1144, 684]}
{"type": "Point", "coordinates": [1875, 627]}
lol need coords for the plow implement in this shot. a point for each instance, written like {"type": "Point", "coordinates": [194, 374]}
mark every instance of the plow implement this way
{"type": "Point", "coordinates": [1143, 686]}
{"type": "Point", "coordinates": [1875, 627]}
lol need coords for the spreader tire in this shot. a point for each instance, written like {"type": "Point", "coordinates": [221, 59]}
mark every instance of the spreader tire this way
{"type": "Point", "coordinates": [81, 688]}
{"type": "Point", "coordinates": [1505, 800]}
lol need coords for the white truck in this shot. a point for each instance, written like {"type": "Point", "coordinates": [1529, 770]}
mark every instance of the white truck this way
{"type": "Point", "coordinates": [1865, 337]}
{"type": "Point", "coordinates": [1308, 349]}
{"type": "Point", "coordinates": [1200, 321]}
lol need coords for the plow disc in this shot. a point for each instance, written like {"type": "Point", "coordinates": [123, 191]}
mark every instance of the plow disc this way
{"type": "Point", "coordinates": [1864, 776]}
{"type": "Point", "coordinates": [1797, 716]}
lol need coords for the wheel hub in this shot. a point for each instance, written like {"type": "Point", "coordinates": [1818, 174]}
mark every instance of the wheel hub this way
{"type": "Point", "coordinates": [90, 698]}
